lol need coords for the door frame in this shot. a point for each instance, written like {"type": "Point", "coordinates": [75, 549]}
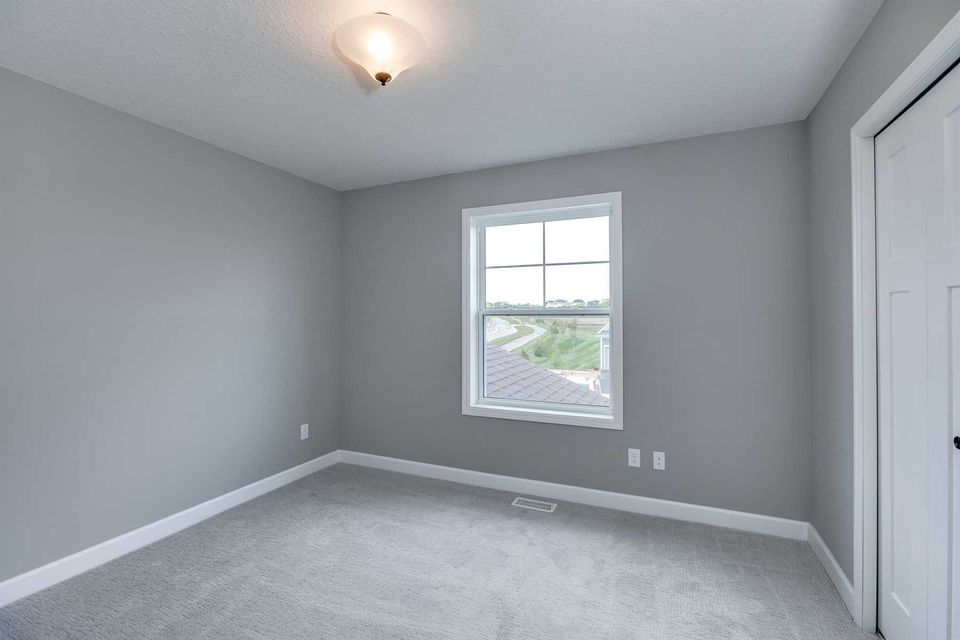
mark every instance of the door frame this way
{"type": "Point", "coordinates": [935, 59]}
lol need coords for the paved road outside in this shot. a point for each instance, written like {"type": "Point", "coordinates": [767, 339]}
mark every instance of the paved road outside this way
{"type": "Point", "coordinates": [501, 328]}
{"type": "Point", "coordinates": [513, 345]}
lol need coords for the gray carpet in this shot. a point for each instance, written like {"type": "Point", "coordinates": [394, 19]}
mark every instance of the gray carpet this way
{"type": "Point", "coordinates": [351, 553]}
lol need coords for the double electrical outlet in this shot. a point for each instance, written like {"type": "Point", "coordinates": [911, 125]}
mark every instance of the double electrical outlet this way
{"type": "Point", "coordinates": [659, 459]}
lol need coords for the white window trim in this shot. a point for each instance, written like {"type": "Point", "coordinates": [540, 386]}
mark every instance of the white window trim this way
{"type": "Point", "coordinates": [473, 403]}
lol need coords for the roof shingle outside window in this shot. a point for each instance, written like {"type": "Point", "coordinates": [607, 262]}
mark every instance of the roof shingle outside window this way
{"type": "Point", "coordinates": [510, 377]}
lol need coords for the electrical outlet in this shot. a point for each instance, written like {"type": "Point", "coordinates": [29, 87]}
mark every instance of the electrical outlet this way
{"type": "Point", "coordinates": [304, 431]}
{"type": "Point", "coordinates": [659, 460]}
{"type": "Point", "coordinates": [633, 457]}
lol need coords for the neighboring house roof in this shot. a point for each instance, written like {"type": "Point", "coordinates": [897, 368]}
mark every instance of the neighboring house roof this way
{"type": "Point", "coordinates": [509, 376]}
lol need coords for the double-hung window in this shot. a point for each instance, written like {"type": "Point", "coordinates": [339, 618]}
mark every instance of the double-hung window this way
{"type": "Point", "coordinates": [542, 320]}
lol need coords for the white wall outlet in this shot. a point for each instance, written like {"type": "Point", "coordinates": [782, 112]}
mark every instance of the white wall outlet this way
{"type": "Point", "coordinates": [304, 431]}
{"type": "Point", "coordinates": [633, 457]}
{"type": "Point", "coordinates": [659, 460]}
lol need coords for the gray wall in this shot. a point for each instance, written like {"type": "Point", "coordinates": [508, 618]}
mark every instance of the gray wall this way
{"type": "Point", "coordinates": [900, 30]}
{"type": "Point", "coordinates": [169, 315]}
{"type": "Point", "coordinates": [716, 331]}
{"type": "Point", "coordinates": [168, 318]}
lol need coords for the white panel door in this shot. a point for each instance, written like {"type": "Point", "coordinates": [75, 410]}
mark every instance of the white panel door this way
{"type": "Point", "coordinates": [918, 333]}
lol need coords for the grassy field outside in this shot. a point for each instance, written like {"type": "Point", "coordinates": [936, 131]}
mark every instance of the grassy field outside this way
{"type": "Point", "coordinates": [565, 345]}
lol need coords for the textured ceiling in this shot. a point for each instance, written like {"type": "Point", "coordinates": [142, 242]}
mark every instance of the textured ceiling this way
{"type": "Point", "coordinates": [503, 81]}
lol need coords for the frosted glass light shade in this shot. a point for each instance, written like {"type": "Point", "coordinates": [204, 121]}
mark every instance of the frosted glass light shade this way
{"type": "Point", "coordinates": [383, 45]}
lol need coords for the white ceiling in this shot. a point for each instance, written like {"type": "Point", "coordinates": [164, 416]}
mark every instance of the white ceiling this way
{"type": "Point", "coordinates": [504, 81]}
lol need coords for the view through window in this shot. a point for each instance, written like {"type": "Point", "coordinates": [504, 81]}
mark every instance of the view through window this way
{"type": "Point", "coordinates": [546, 310]}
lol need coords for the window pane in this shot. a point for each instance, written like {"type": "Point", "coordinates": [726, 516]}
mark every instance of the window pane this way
{"type": "Point", "coordinates": [513, 244]}
{"type": "Point", "coordinates": [557, 359]}
{"type": "Point", "coordinates": [578, 285]}
{"type": "Point", "coordinates": [578, 240]}
{"type": "Point", "coordinates": [514, 287]}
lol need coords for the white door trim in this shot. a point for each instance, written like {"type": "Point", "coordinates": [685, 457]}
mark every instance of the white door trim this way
{"type": "Point", "coordinates": [932, 62]}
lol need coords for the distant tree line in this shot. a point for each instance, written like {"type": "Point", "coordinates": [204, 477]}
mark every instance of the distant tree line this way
{"type": "Point", "coordinates": [559, 303]}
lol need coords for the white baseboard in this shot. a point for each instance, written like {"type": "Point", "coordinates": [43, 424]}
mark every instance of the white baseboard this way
{"type": "Point", "coordinates": [755, 523]}
{"type": "Point", "coordinates": [50, 574]}
{"type": "Point", "coordinates": [832, 567]}
{"type": "Point", "coordinates": [752, 522]}
{"type": "Point", "coordinates": [59, 570]}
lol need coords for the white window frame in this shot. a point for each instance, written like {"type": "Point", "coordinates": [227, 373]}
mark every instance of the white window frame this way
{"type": "Point", "coordinates": [473, 402]}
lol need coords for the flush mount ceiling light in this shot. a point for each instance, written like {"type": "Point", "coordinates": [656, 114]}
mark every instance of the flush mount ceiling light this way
{"type": "Point", "coordinates": [380, 43]}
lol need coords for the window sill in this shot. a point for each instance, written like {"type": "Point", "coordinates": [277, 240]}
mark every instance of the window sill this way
{"type": "Point", "coordinates": [569, 418]}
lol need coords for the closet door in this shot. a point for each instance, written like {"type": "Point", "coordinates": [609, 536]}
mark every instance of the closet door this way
{"type": "Point", "coordinates": [918, 332]}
